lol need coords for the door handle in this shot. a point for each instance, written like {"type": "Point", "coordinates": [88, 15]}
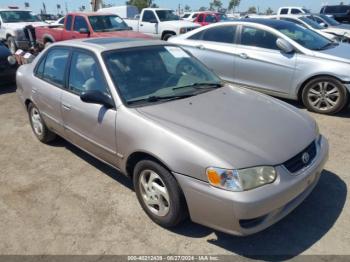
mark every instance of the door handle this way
{"type": "Point", "coordinates": [66, 107]}
{"type": "Point", "coordinates": [201, 47]}
{"type": "Point", "coordinates": [34, 90]}
{"type": "Point", "coordinates": [243, 55]}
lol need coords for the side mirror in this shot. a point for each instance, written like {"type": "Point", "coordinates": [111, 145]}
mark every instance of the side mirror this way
{"type": "Point", "coordinates": [97, 97]}
{"type": "Point", "coordinates": [285, 46]}
{"type": "Point", "coordinates": [84, 31]}
{"type": "Point", "coordinates": [324, 25]}
{"type": "Point", "coordinates": [153, 21]}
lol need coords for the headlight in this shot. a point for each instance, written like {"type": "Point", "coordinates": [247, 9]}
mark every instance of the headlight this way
{"type": "Point", "coordinates": [242, 179]}
{"type": "Point", "coordinates": [12, 60]}
{"type": "Point", "coordinates": [183, 30]}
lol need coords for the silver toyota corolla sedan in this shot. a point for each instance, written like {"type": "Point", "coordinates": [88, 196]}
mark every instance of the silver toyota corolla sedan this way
{"type": "Point", "coordinates": [278, 58]}
{"type": "Point", "coordinates": [233, 159]}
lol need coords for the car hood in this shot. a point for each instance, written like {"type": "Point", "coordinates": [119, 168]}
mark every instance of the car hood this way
{"type": "Point", "coordinates": [180, 24]}
{"type": "Point", "coordinates": [338, 53]}
{"type": "Point", "coordinates": [16, 26]}
{"type": "Point", "coordinates": [124, 34]}
{"type": "Point", "coordinates": [243, 128]}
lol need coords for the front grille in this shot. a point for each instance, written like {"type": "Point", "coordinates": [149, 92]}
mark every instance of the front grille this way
{"type": "Point", "coordinates": [299, 162]}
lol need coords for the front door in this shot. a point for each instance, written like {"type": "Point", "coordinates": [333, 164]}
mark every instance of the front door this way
{"type": "Point", "coordinates": [149, 23]}
{"type": "Point", "coordinates": [89, 126]}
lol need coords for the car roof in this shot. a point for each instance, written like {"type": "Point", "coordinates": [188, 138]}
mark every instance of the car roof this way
{"type": "Point", "coordinates": [14, 9]}
{"type": "Point", "coordinates": [100, 45]}
{"type": "Point", "coordinates": [268, 22]}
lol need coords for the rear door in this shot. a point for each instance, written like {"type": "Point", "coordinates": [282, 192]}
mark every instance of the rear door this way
{"type": "Point", "coordinates": [79, 24]}
{"type": "Point", "coordinates": [214, 47]}
{"type": "Point", "coordinates": [47, 91]}
{"type": "Point", "coordinates": [261, 64]}
{"type": "Point", "coordinates": [89, 126]}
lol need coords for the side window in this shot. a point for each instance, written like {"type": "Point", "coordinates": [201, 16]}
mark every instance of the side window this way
{"type": "Point", "coordinates": [284, 11]}
{"type": "Point", "coordinates": [85, 74]}
{"type": "Point", "coordinates": [295, 11]}
{"type": "Point", "coordinates": [55, 66]}
{"type": "Point", "coordinates": [80, 23]}
{"type": "Point", "coordinates": [222, 34]}
{"type": "Point", "coordinates": [200, 18]}
{"type": "Point", "coordinates": [148, 16]}
{"type": "Point", "coordinates": [61, 21]}
{"type": "Point", "coordinates": [40, 68]}
{"type": "Point", "coordinates": [210, 19]}
{"type": "Point", "coordinates": [68, 26]}
{"type": "Point", "coordinates": [259, 38]}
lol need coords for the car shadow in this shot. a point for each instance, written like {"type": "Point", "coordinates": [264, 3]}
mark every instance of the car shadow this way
{"type": "Point", "coordinates": [290, 237]}
{"type": "Point", "coordinates": [104, 168]}
{"type": "Point", "coordinates": [294, 234]}
{"type": "Point", "coordinates": [7, 88]}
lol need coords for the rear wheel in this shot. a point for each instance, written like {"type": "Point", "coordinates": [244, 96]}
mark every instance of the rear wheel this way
{"type": "Point", "coordinates": [38, 126]}
{"type": "Point", "coordinates": [159, 194]}
{"type": "Point", "coordinates": [325, 95]}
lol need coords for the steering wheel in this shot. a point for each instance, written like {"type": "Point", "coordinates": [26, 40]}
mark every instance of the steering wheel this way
{"type": "Point", "coordinates": [185, 66]}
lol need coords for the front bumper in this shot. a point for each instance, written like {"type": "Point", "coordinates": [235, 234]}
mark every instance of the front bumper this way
{"type": "Point", "coordinates": [245, 213]}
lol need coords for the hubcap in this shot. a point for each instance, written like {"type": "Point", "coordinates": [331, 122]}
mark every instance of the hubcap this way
{"type": "Point", "coordinates": [154, 193]}
{"type": "Point", "coordinates": [37, 122]}
{"type": "Point", "coordinates": [324, 96]}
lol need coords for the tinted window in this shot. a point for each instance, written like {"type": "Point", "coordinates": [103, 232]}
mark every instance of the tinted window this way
{"type": "Point", "coordinates": [210, 19]}
{"type": "Point", "coordinates": [222, 34]}
{"type": "Point", "coordinates": [80, 23]}
{"type": "Point", "coordinates": [337, 9]}
{"type": "Point", "coordinates": [69, 23]}
{"type": "Point", "coordinates": [148, 16]}
{"type": "Point", "coordinates": [259, 38]}
{"type": "Point", "coordinates": [295, 11]}
{"type": "Point", "coordinates": [55, 66]}
{"type": "Point", "coordinates": [61, 21]}
{"type": "Point", "coordinates": [200, 18]}
{"type": "Point", "coordinates": [107, 23]}
{"type": "Point", "coordinates": [85, 74]}
{"type": "Point", "coordinates": [18, 16]}
{"type": "Point", "coordinates": [284, 11]}
{"type": "Point", "coordinates": [40, 68]}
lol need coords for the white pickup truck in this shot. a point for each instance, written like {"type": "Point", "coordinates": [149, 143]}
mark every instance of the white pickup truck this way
{"type": "Point", "coordinates": [160, 23]}
{"type": "Point", "coordinates": [12, 23]}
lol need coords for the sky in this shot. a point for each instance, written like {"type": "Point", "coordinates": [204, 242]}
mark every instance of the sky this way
{"type": "Point", "coordinates": [314, 5]}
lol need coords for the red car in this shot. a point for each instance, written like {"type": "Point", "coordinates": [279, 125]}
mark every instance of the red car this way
{"type": "Point", "coordinates": [83, 25]}
{"type": "Point", "coordinates": [207, 18]}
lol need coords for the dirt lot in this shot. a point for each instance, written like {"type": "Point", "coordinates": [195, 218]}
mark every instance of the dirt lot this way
{"type": "Point", "coordinates": [58, 200]}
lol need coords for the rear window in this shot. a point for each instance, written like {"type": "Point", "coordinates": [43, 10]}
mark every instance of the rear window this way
{"type": "Point", "coordinates": [284, 11]}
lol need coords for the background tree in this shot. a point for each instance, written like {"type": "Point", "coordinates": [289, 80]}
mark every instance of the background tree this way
{"type": "Point", "coordinates": [215, 4]}
{"type": "Point", "coordinates": [203, 8]}
{"type": "Point", "coordinates": [141, 4]}
{"type": "Point", "coordinates": [187, 8]}
{"type": "Point", "coordinates": [252, 10]}
{"type": "Point", "coordinates": [269, 11]}
{"type": "Point", "coordinates": [233, 4]}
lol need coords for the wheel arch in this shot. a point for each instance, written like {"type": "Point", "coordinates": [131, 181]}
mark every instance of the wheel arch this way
{"type": "Point", "coordinates": [168, 32]}
{"type": "Point", "coordinates": [308, 80]}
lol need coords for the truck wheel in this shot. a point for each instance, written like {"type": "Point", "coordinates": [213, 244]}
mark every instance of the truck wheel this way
{"type": "Point", "coordinates": [167, 36]}
{"type": "Point", "coordinates": [11, 43]}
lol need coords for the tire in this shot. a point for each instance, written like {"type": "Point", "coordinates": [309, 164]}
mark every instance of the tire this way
{"type": "Point", "coordinates": [167, 36]}
{"type": "Point", "coordinates": [159, 180]}
{"type": "Point", "coordinates": [325, 95]}
{"type": "Point", "coordinates": [11, 43]}
{"type": "Point", "coordinates": [39, 128]}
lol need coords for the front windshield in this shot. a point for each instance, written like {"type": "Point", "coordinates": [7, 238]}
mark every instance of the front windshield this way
{"type": "Point", "coordinates": [311, 23]}
{"type": "Point", "coordinates": [330, 20]}
{"type": "Point", "coordinates": [107, 23]}
{"type": "Point", "coordinates": [150, 74]}
{"type": "Point", "coordinates": [167, 15]}
{"type": "Point", "coordinates": [18, 16]}
{"type": "Point", "coordinates": [303, 36]}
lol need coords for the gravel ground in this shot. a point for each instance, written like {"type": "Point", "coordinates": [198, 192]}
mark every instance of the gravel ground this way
{"type": "Point", "coordinates": [58, 200]}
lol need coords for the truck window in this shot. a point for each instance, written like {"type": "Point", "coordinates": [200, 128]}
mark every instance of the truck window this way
{"type": "Point", "coordinates": [68, 26]}
{"type": "Point", "coordinates": [148, 16]}
{"type": "Point", "coordinates": [80, 23]}
{"type": "Point", "coordinates": [200, 18]}
{"type": "Point", "coordinates": [284, 11]}
{"type": "Point", "coordinates": [295, 11]}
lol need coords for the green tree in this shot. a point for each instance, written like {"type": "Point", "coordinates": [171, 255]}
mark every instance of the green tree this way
{"type": "Point", "coordinates": [233, 4]}
{"type": "Point", "coordinates": [187, 8]}
{"type": "Point", "coordinates": [202, 9]}
{"type": "Point", "coordinates": [140, 4]}
{"type": "Point", "coordinates": [269, 11]}
{"type": "Point", "coordinates": [215, 4]}
{"type": "Point", "coordinates": [252, 10]}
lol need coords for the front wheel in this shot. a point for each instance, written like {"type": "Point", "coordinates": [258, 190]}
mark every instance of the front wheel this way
{"type": "Point", "coordinates": [11, 43]}
{"type": "Point", "coordinates": [159, 194]}
{"type": "Point", "coordinates": [325, 95]}
{"type": "Point", "coordinates": [167, 36]}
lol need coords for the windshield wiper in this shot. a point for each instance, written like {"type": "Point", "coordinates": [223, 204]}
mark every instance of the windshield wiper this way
{"type": "Point", "coordinates": [200, 86]}
{"type": "Point", "coordinates": [152, 99]}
